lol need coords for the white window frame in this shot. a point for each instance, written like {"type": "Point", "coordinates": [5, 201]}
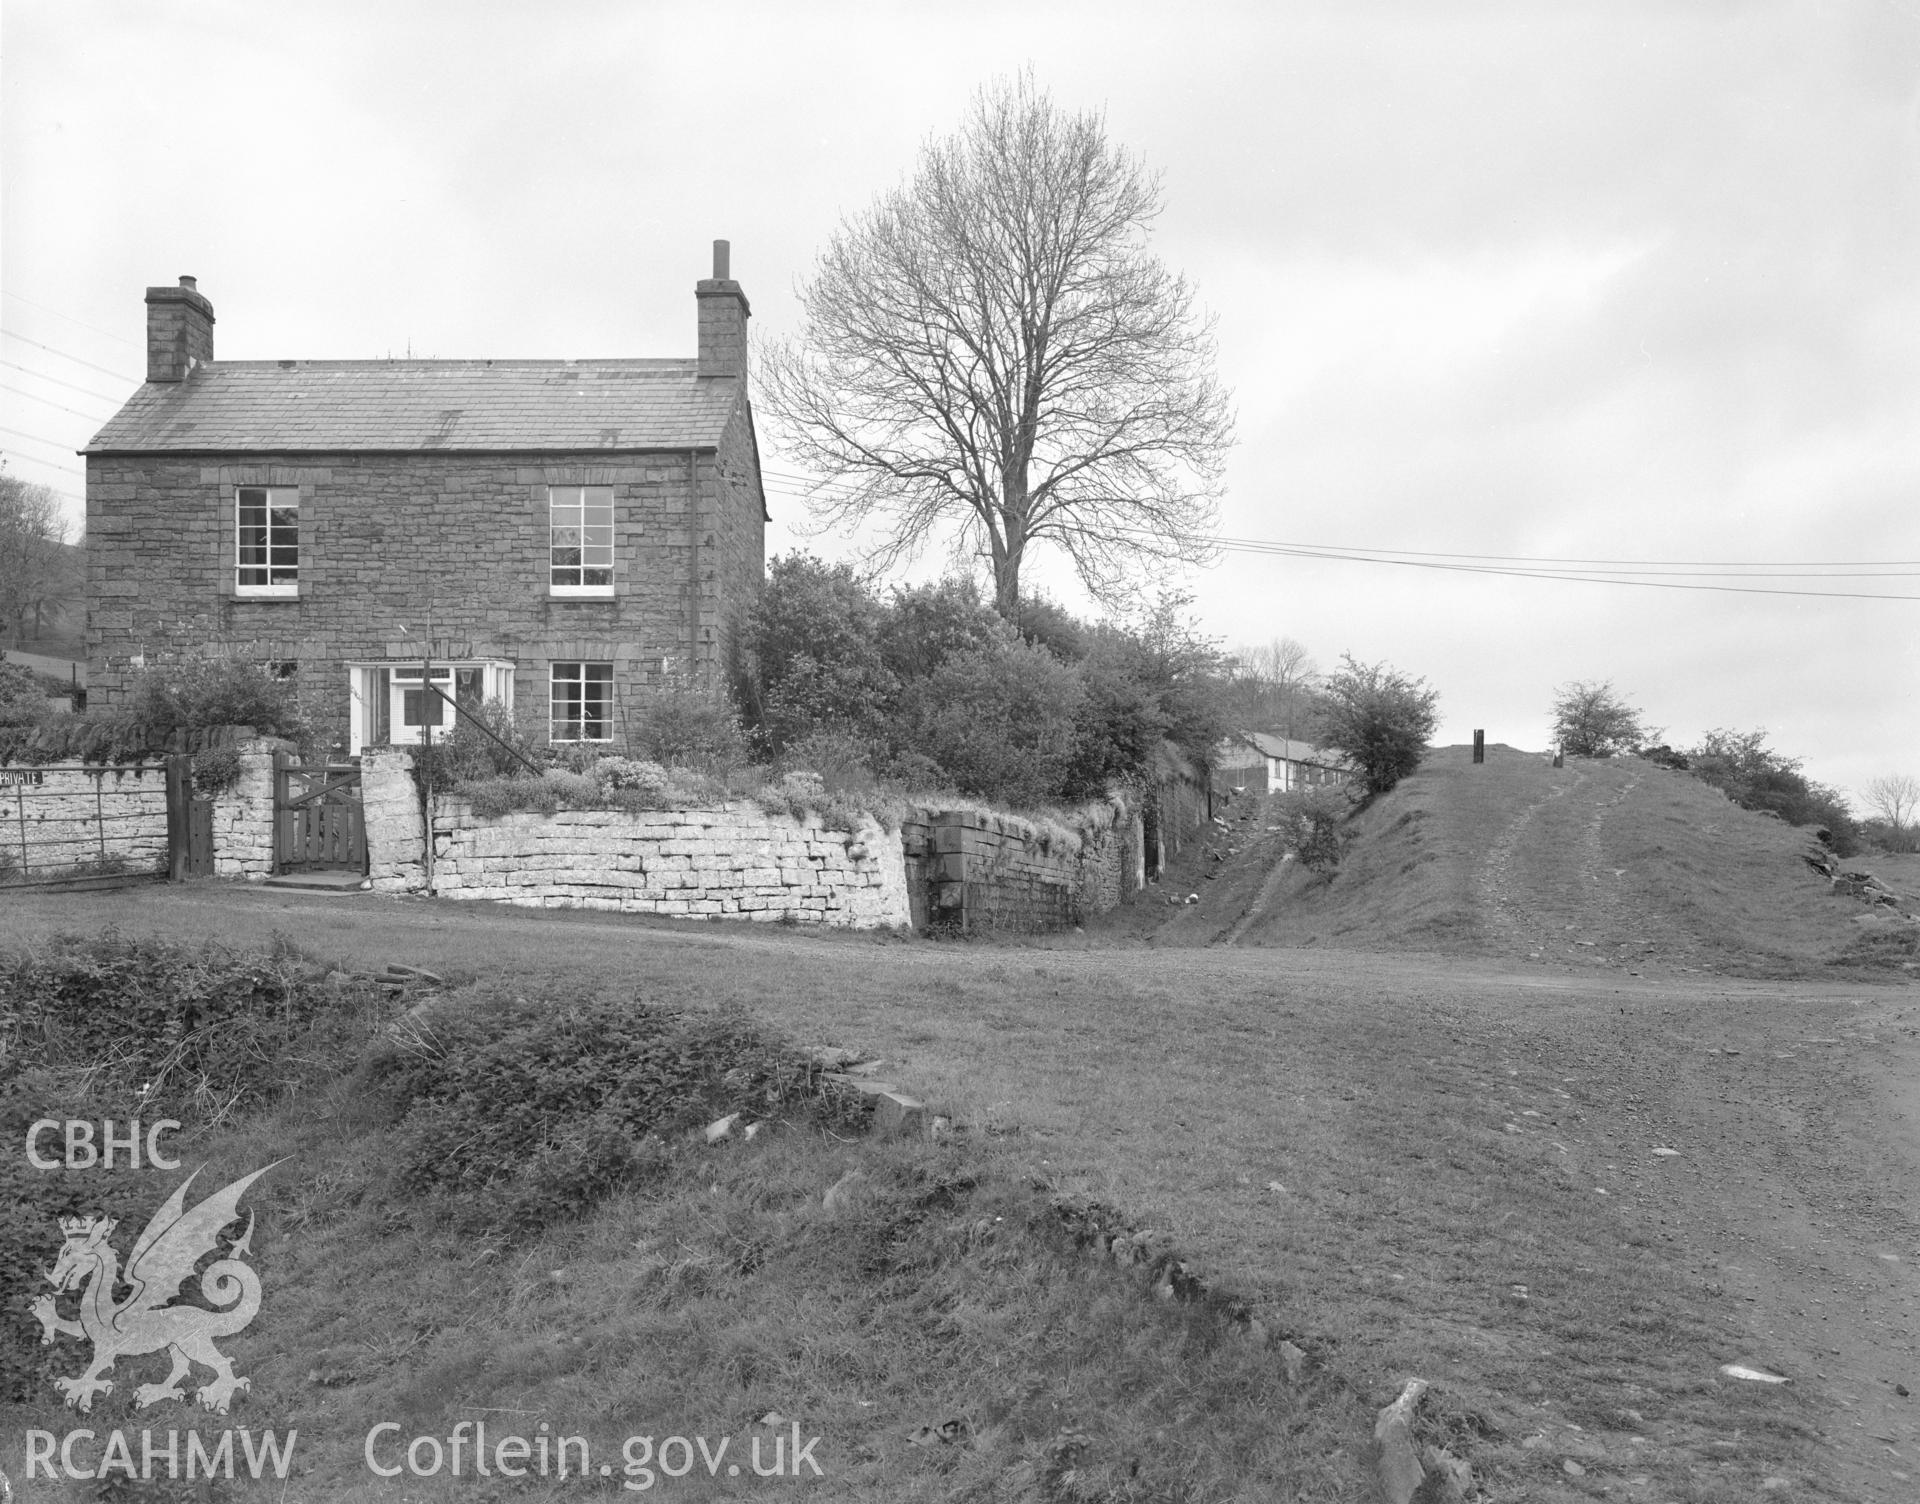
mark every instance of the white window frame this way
{"type": "Point", "coordinates": [554, 682]}
{"type": "Point", "coordinates": [405, 678]}
{"type": "Point", "coordinates": [369, 683]}
{"type": "Point", "coordinates": [272, 589]}
{"type": "Point", "coordinates": [579, 498]}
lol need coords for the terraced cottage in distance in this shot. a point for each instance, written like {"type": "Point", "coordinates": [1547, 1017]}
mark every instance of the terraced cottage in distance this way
{"type": "Point", "coordinates": [558, 534]}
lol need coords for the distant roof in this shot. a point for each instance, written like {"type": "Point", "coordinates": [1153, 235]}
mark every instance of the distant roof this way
{"type": "Point", "coordinates": [1292, 751]}
{"type": "Point", "coordinates": [406, 405]}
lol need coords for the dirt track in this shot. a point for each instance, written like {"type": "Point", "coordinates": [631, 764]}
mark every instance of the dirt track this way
{"type": "Point", "coordinates": [1795, 1111]}
{"type": "Point", "coordinates": [1794, 1108]}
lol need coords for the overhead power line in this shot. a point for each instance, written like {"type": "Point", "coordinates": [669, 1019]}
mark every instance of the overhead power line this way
{"type": "Point", "coordinates": [77, 323]}
{"type": "Point", "coordinates": [10, 455]}
{"type": "Point", "coordinates": [116, 375]}
{"type": "Point", "coordinates": [1796, 567]}
{"type": "Point", "coordinates": [1648, 573]}
{"type": "Point", "coordinates": [60, 406]}
{"type": "Point", "coordinates": [56, 381]}
{"type": "Point", "coordinates": [36, 439]}
{"type": "Point", "coordinates": [1606, 577]}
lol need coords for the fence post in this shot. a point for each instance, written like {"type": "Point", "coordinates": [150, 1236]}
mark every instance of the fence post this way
{"type": "Point", "coordinates": [1479, 746]}
{"type": "Point", "coordinates": [179, 791]}
{"type": "Point", "coordinates": [20, 798]}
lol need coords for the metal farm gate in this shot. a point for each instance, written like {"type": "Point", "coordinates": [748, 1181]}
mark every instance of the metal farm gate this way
{"type": "Point", "coordinates": [68, 826]}
{"type": "Point", "coordinates": [318, 819]}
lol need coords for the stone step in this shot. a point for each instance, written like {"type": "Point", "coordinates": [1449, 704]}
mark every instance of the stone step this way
{"type": "Point", "coordinates": [320, 880]}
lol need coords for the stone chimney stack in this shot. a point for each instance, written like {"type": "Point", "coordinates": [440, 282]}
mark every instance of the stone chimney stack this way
{"type": "Point", "coordinates": [179, 331]}
{"type": "Point", "coordinates": [723, 319]}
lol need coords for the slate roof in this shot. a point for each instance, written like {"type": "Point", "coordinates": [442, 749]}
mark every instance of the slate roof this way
{"type": "Point", "coordinates": [411, 405]}
{"type": "Point", "coordinates": [1291, 751]}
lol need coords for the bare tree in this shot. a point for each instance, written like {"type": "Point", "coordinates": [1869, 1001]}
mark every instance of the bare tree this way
{"type": "Point", "coordinates": [36, 571]}
{"type": "Point", "coordinates": [1269, 684]}
{"type": "Point", "coordinates": [990, 353]}
{"type": "Point", "coordinates": [1895, 797]}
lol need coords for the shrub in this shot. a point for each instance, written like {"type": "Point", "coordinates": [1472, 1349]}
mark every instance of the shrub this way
{"type": "Point", "coordinates": [925, 625]}
{"type": "Point", "coordinates": [217, 771]}
{"type": "Point", "coordinates": [1754, 776]}
{"type": "Point", "coordinates": [468, 754]}
{"type": "Point", "coordinates": [814, 639]}
{"type": "Point", "coordinates": [1000, 722]}
{"type": "Point", "coordinates": [689, 726]}
{"type": "Point", "coordinates": [1591, 720]}
{"type": "Point", "coordinates": [201, 693]}
{"type": "Point", "coordinates": [839, 761]}
{"type": "Point", "coordinates": [1380, 719]}
{"type": "Point", "coordinates": [1115, 732]}
{"type": "Point", "coordinates": [185, 1028]}
{"type": "Point", "coordinates": [525, 1112]}
{"type": "Point", "coordinates": [159, 705]}
{"type": "Point", "coordinates": [916, 773]}
{"type": "Point", "coordinates": [104, 1026]}
{"type": "Point", "coordinates": [1313, 824]}
{"type": "Point", "coordinates": [493, 797]}
{"type": "Point", "coordinates": [20, 686]}
{"type": "Point", "coordinates": [574, 790]}
{"type": "Point", "coordinates": [632, 775]}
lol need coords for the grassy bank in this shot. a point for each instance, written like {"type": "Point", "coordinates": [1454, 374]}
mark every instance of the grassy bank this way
{"type": "Point", "coordinates": [1611, 863]}
{"type": "Point", "coordinates": [1336, 1155]}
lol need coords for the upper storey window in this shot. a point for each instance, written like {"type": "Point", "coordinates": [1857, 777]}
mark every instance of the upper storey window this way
{"type": "Point", "coordinates": [580, 524]}
{"type": "Point", "coordinates": [266, 555]}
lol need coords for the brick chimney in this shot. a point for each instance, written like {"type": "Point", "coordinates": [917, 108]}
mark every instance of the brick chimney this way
{"type": "Point", "coordinates": [179, 331]}
{"type": "Point", "coordinates": [723, 319]}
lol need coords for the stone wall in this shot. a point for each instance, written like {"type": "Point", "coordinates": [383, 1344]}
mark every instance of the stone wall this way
{"type": "Point", "coordinates": [730, 860]}
{"type": "Point", "coordinates": [1181, 805]}
{"type": "Point", "coordinates": [975, 870]}
{"type": "Point", "coordinates": [243, 815]}
{"type": "Point", "coordinates": [63, 815]}
{"type": "Point", "coordinates": [952, 869]}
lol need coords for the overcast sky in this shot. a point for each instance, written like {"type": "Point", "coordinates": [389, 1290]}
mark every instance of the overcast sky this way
{"type": "Point", "coordinates": [1613, 281]}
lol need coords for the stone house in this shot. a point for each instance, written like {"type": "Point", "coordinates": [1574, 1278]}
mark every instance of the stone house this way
{"type": "Point", "coordinates": [559, 535]}
{"type": "Point", "coordinates": [1262, 764]}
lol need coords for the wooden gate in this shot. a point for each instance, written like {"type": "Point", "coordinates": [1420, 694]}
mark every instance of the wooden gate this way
{"type": "Point", "coordinates": [189, 823]}
{"type": "Point", "coordinates": [318, 820]}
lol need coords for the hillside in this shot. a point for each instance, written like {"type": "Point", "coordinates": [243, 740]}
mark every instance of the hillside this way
{"type": "Point", "coordinates": [1619, 865]}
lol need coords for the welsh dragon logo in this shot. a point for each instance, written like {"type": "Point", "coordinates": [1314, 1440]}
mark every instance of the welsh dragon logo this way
{"type": "Point", "coordinates": [175, 1240]}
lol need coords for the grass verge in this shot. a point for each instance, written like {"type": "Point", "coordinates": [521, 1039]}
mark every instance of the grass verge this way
{"type": "Point", "coordinates": [1336, 1156]}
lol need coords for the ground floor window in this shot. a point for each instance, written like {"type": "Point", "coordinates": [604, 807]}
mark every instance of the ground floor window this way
{"type": "Point", "coordinates": [392, 705]}
{"type": "Point", "coordinates": [582, 702]}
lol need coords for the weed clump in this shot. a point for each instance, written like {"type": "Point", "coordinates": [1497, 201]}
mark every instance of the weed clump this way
{"type": "Point", "coordinates": [111, 1027]}
{"type": "Point", "coordinates": [515, 1114]}
{"type": "Point", "coordinates": [1313, 824]}
{"type": "Point", "coordinates": [198, 1032]}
